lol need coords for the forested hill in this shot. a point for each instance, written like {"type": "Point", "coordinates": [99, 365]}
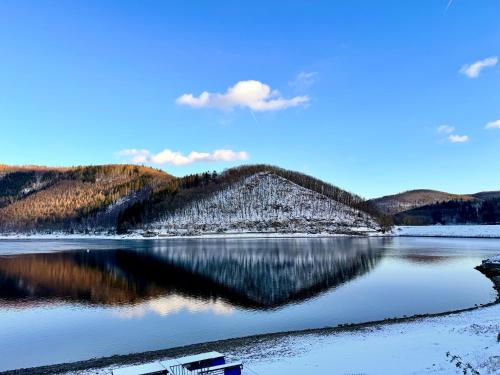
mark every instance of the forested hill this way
{"type": "Point", "coordinates": [42, 198]}
{"type": "Point", "coordinates": [408, 200]}
{"type": "Point", "coordinates": [128, 197]}
{"type": "Point", "coordinates": [428, 207]}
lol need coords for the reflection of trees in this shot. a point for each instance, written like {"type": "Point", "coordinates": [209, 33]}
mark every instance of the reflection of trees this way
{"type": "Point", "coordinates": [281, 272]}
{"type": "Point", "coordinates": [77, 275]}
{"type": "Point", "coordinates": [249, 274]}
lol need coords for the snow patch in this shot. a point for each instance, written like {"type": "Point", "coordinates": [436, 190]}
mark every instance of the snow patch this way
{"type": "Point", "coordinates": [424, 346]}
{"type": "Point", "coordinates": [495, 260]}
{"type": "Point", "coordinates": [472, 231]}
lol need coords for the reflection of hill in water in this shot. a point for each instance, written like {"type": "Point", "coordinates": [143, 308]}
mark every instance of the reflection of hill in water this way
{"type": "Point", "coordinates": [249, 274]}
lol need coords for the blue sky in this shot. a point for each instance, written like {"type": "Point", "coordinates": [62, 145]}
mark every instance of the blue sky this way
{"type": "Point", "coordinates": [354, 92]}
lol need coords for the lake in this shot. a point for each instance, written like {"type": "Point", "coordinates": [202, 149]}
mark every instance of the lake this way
{"type": "Point", "coordinates": [68, 300]}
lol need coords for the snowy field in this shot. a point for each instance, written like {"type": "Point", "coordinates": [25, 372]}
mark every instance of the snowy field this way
{"type": "Point", "coordinates": [473, 231]}
{"type": "Point", "coordinates": [418, 347]}
{"type": "Point", "coordinates": [464, 343]}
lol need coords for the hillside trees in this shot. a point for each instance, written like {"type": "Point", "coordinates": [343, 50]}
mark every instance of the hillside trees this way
{"type": "Point", "coordinates": [183, 191]}
{"type": "Point", "coordinates": [75, 198]}
{"type": "Point", "coordinates": [125, 197]}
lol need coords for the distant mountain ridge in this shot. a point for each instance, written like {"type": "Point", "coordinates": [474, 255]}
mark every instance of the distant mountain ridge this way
{"type": "Point", "coordinates": [122, 198]}
{"type": "Point", "coordinates": [393, 204]}
{"type": "Point", "coordinates": [487, 195]}
{"type": "Point", "coordinates": [427, 207]}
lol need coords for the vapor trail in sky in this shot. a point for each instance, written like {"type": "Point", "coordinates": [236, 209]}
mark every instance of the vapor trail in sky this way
{"type": "Point", "coordinates": [449, 5]}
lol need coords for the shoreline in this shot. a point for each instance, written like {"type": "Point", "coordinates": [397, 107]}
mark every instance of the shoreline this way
{"type": "Point", "coordinates": [449, 231]}
{"type": "Point", "coordinates": [201, 236]}
{"type": "Point", "coordinates": [430, 231]}
{"type": "Point", "coordinates": [228, 345]}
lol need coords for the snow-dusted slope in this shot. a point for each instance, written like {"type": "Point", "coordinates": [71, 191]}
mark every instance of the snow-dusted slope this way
{"type": "Point", "coordinates": [265, 202]}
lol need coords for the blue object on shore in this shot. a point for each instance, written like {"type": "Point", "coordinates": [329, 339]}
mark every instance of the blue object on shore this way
{"type": "Point", "coordinates": [211, 363]}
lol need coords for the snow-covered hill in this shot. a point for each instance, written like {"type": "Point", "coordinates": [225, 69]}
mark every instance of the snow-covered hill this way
{"type": "Point", "coordinates": [265, 202]}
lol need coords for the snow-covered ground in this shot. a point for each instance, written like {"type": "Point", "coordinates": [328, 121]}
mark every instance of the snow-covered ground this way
{"type": "Point", "coordinates": [452, 344]}
{"type": "Point", "coordinates": [140, 235]}
{"type": "Point", "coordinates": [460, 231]}
{"type": "Point", "coordinates": [418, 347]}
{"type": "Point", "coordinates": [494, 260]}
{"type": "Point", "coordinates": [480, 231]}
{"type": "Point", "coordinates": [67, 236]}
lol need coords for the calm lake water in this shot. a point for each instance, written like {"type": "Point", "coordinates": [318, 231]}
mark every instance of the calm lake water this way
{"type": "Point", "coordinates": [66, 300]}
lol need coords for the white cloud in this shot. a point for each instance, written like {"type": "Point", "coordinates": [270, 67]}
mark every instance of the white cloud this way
{"type": "Point", "coordinates": [473, 70]}
{"type": "Point", "coordinates": [135, 156]}
{"type": "Point", "coordinates": [448, 130]}
{"type": "Point", "coordinates": [177, 158]}
{"type": "Point", "coordinates": [254, 95]}
{"type": "Point", "coordinates": [455, 138]}
{"type": "Point", "coordinates": [493, 124]}
{"type": "Point", "coordinates": [304, 80]}
{"type": "Point", "coordinates": [445, 129]}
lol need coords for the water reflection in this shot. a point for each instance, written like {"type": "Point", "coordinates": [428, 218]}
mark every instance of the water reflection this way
{"type": "Point", "coordinates": [169, 275]}
{"type": "Point", "coordinates": [133, 296]}
{"type": "Point", "coordinates": [425, 258]}
{"type": "Point", "coordinates": [172, 304]}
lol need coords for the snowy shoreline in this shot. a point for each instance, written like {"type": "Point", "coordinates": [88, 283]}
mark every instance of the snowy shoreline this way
{"type": "Point", "coordinates": [455, 231]}
{"type": "Point", "coordinates": [416, 344]}
{"type": "Point", "coordinates": [448, 344]}
{"type": "Point", "coordinates": [139, 236]}
{"type": "Point", "coordinates": [452, 231]}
